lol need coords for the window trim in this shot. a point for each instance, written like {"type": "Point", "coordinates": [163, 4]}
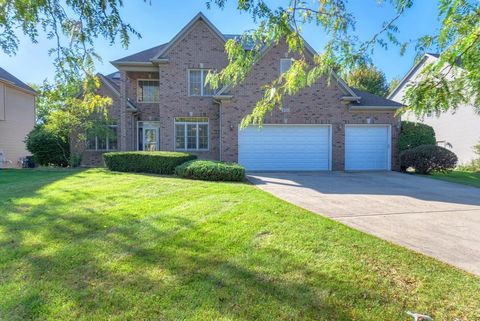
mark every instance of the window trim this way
{"type": "Point", "coordinates": [202, 84]}
{"type": "Point", "coordinates": [107, 149]}
{"type": "Point", "coordinates": [184, 123]}
{"type": "Point", "coordinates": [138, 86]}
{"type": "Point", "coordinates": [280, 67]}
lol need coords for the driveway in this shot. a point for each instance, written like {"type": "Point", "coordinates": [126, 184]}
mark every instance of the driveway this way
{"type": "Point", "coordinates": [433, 217]}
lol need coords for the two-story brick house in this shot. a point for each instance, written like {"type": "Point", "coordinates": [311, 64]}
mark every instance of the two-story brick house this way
{"type": "Point", "coordinates": [161, 103]}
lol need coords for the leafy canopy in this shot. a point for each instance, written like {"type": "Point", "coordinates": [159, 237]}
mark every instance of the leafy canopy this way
{"type": "Point", "coordinates": [344, 51]}
{"type": "Point", "coordinates": [368, 78]}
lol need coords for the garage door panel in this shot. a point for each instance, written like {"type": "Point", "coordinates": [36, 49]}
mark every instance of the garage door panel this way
{"type": "Point", "coordinates": [285, 147]}
{"type": "Point", "coordinates": [367, 148]}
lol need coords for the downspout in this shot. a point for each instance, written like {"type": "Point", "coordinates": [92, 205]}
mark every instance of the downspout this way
{"type": "Point", "coordinates": [220, 152]}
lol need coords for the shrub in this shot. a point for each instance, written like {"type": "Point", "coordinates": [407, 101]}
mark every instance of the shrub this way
{"type": "Point", "coordinates": [47, 147]}
{"type": "Point", "coordinates": [427, 158]}
{"type": "Point", "coordinates": [146, 162]}
{"type": "Point", "coordinates": [211, 171]}
{"type": "Point", "coordinates": [415, 134]}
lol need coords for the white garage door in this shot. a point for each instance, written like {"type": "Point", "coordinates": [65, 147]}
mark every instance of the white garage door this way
{"type": "Point", "coordinates": [367, 147]}
{"type": "Point", "coordinates": [285, 147]}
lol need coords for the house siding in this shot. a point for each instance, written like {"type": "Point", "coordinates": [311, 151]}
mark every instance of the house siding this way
{"type": "Point", "coordinates": [18, 119]}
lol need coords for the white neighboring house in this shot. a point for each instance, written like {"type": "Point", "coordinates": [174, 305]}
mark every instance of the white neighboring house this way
{"type": "Point", "coordinates": [458, 131]}
{"type": "Point", "coordinates": [17, 118]}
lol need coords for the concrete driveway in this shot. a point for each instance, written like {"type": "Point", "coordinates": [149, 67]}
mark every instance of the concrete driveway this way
{"type": "Point", "coordinates": [433, 217]}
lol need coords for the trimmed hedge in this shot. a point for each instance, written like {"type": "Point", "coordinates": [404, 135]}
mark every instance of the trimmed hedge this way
{"type": "Point", "coordinates": [211, 171]}
{"type": "Point", "coordinates": [415, 134]}
{"type": "Point", "coordinates": [146, 162]}
{"type": "Point", "coordinates": [428, 158]}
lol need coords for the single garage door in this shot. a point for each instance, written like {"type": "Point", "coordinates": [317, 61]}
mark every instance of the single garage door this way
{"type": "Point", "coordinates": [367, 147]}
{"type": "Point", "coordinates": [285, 147]}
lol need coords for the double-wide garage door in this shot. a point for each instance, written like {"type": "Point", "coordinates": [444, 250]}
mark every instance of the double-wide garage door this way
{"type": "Point", "coordinates": [309, 147]}
{"type": "Point", "coordinates": [285, 148]}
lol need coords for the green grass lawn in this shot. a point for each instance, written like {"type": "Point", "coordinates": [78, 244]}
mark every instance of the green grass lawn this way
{"type": "Point", "coordinates": [461, 177]}
{"type": "Point", "coordinates": [95, 245]}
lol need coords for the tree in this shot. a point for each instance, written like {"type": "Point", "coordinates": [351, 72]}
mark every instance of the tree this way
{"type": "Point", "coordinates": [73, 25]}
{"type": "Point", "coordinates": [458, 40]}
{"type": "Point", "coordinates": [393, 84]}
{"type": "Point", "coordinates": [369, 79]}
{"type": "Point", "coordinates": [68, 110]}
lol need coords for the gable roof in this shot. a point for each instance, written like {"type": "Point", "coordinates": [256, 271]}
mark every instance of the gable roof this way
{"type": "Point", "coordinates": [372, 100]}
{"type": "Point", "coordinates": [8, 78]}
{"type": "Point", "coordinates": [199, 17]}
{"type": "Point", "coordinates": [410, 73]}
{"type": "Point", "coordinates": [112, 81]}
{"type": "Point", "coordinates": [156, 54]}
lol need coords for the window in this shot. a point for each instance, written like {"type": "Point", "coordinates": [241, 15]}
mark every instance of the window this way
{"type": "Point", "coordinates": [102, 138]}
{"type": "Point", "coordinates": [196, 83]}
{"type": "Point", "coordinates": [191, 133]}
{"type": "Point", "coordinates": [285, 65]}
{"type": "Point", "coordinates": [147, 91]}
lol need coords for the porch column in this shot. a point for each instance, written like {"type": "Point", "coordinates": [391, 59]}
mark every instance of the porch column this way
{"type": "Point", "coordinates": [123, 111]}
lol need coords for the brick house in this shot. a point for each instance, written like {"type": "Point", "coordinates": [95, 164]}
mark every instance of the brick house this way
{"type": "Point", "coordinates": [161, 103]}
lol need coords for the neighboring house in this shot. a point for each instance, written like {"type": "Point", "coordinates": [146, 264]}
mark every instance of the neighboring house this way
{"type": "Point", "coordinates": [17, 118]}
{"type": "Point", "coordinates": [162, 103]}
{"type": "Point", "coordinates": [458, 131]}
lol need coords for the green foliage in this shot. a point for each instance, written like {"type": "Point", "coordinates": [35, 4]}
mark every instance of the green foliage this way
{"type": "Point", "coordinates": [457, 39]}
{"type": "Point", "coordinates": [428, 158]}
{"type": "Point", "coordinates": [146, 162]}
{"type": "Point", "coordinates": [369, 79]}
{"type": "Point", "coordinates": [211, 171]}
{"type": "Point", "coordinates": [415, 134]}
{"type": "Point", "coordinates": [48, 147]}
{"type": "Point", "coordinates": [454, 79]}
{"type": "Point", "coordinates": [73, 26]}
{"type": "Point", "coordinates": [393, 84]}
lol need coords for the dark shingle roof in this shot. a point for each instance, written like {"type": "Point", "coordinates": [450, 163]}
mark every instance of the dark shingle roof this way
{"type": "Point", "coordinates": [11, 78]}
{"type": "Point", "coordinates": [368, 99]}
{"type": "Point", "coordinates": [143, 56]}
{"type": "Point", "coordinates": [114, 80]}
{"type": "Point", "coordinates": [146, 55]}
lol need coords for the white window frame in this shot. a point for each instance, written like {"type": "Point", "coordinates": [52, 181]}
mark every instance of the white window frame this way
{"type": "Point", "coordinates": [185, 123]}
{"type": "Point", "coordinates": [144, 101]}
{"type": "Point", "coordinates": [282, 60]}
{"type": "Point", "coordinates": [107, 142]}
{"type": "Point", "coordinates": [202, 84]}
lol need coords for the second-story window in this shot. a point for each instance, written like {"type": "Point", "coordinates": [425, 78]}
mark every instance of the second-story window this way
{"type": "Point", "coordinates": [147, 91]}
{"type": "Point", "coordinates": [285, 65]}
{"type": "Point", "coordinates": [197, 84]}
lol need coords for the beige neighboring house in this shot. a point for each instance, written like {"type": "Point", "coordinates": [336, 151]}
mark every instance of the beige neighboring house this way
{"type": "Point", "coordinates": [458, 131]}
{"type": "Point", "coordinates": [17, 118]}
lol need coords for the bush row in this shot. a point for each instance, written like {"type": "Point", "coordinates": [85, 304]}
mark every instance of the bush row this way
{"type": "Point", "coordinates": [167, 163]}
{"type": "Point", "coordinates": [211, 171]}
{"type": "Point", "coordinates": [146, 162]}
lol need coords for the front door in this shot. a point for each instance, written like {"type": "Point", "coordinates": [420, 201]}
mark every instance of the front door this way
{"type": "Point", "coordinates": [150, 139]}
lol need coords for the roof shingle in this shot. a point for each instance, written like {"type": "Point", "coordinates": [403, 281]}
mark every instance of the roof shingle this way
{"type": "Point", "coordinates": [14, 80]}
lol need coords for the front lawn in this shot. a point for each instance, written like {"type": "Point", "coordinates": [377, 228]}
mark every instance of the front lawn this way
{"type": "Point", "coordinates": [95, 245]}
{"type": "Point", "coordinates": [461, 177]}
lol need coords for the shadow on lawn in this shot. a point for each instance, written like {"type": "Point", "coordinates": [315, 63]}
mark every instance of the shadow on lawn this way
{"type": "Point", "coordinates": [156, 267]}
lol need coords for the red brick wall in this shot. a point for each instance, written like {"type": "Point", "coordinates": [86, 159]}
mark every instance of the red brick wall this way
{"type": "Point", "coordinates": [319, 104]}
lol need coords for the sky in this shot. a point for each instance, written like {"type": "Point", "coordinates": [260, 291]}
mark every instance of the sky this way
{"type": "Point", "coordinates": [159, 21]}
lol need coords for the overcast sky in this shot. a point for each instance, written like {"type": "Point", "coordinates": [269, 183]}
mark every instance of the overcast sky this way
{"type": "Point", "coordinates": [161, 20]}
